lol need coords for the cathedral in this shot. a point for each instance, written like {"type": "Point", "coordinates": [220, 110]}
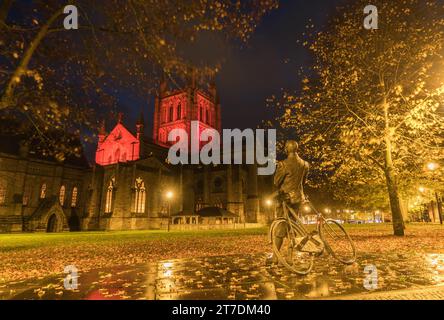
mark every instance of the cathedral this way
{"type": "Point", "coordinates": [131, 185]}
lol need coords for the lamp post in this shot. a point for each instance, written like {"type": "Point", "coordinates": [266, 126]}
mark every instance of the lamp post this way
{"type": "Point", "coordinates": [432, 167]}
{"type": "Point", "coordinates": [269, 203]}
{"type": "Point", "coordinates": [169, 196]}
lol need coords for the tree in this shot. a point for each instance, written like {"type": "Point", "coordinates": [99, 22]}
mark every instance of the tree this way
{"type": "Point", "coordinates": [53, 77]}
{"type": "Point", "coordinates": [370, 112]}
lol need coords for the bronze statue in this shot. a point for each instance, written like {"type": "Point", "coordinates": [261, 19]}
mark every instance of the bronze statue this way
{"type": "Point", "coordinates": [289, 179]}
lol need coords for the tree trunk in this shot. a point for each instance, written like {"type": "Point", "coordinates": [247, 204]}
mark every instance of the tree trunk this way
{"type": "Point", "coordinates": [392, 188]}
{"type": "Point", "coordinates": [7, 97]}
{"type": "Point", "coordinates": [392, 184]}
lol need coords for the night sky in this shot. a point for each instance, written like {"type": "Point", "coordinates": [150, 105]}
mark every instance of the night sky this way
{"type": "Point", "coordinates": [253, 72]}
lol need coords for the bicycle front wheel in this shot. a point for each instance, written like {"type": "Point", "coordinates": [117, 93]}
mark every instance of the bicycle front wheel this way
{"type": "Point", "coordinates": [284, 243]}
{"type": "Point", "coordinates": [337, 241]}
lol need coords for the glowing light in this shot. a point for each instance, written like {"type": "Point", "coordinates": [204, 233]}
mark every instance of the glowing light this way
{"type": "Point", "coordinates": [307, 208]}
{"type": "Point", "coordinates": [169, 195]}
{"type": "Point", "coordinates": [168, 273]}
{"type": "Point", "coordinates": [269, 202]}
{"type": "Point", "coordinates": [421, 189]}
{"type": "Point", "coordinates": [432, 166]}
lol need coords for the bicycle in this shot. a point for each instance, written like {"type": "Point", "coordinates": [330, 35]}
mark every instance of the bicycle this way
{"type": "Point", "coordinates": [300, 247]}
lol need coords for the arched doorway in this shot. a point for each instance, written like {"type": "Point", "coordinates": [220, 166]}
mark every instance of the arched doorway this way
{"type": "Point", "coordinates": [52, 224]}
{"type": "Point", "coordinates": [74, 221]}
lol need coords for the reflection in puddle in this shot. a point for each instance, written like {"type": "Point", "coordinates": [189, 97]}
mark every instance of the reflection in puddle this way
{"type": "Point", "coordinates": [236, 277]}
{"type": "Point", "coordinates": [436, 266]}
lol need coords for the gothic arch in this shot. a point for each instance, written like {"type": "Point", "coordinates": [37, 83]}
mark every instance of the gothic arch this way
{"type": "Point", "coordinates": [57, 217]}
{"type": "Point", "coordinates": [49, 217]}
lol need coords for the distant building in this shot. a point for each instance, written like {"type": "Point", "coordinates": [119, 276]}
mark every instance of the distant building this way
{"type": "Point", "coordinates": [126, 188]}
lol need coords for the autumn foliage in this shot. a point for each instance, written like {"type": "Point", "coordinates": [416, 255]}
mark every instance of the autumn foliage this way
{"type": "Point", "coordinates": [370, 111]}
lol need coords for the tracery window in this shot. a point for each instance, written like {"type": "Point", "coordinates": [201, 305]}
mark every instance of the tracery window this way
{"type": "Point", "coordinates": [3, 188]}
{"type": "Point", "coordinates": [171, 115]}
{"type": "Point", "coordinates": [62, 195]}
{"type": "Point", "coordinates": [43, 191]}
{"type": "Point", "coordinates": [179, 112]}
{"type": "Point", "coordinates": [74, 197]}
{"type": "Point", "coordinates": [109, 196]}
{"type": "Point", "coordinates": [139, 196]}
{"type": "Point", "coordinates": [199, 204]}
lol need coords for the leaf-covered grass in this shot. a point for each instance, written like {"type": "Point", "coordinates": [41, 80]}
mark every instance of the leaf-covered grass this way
{"type": "Point", "coordinates": [12, 242]}
{"type": "Point", "coordinates": [24, 256]}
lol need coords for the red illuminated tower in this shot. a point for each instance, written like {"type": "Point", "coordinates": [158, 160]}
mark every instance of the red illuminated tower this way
{"type": "Point", "coordinates": [177, 108]}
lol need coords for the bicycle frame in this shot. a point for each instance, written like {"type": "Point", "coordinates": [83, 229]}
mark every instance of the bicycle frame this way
{"type": "Point", "coordinates": [291, 216]}
{"type": "Point", "coordinates": [297, 228]}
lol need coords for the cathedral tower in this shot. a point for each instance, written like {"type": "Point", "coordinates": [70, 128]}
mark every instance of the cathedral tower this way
{"type": "Point", "coordinates": [177, 108]}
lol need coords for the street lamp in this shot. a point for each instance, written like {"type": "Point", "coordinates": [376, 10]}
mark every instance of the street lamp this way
{"type": "Point", "coordinates": [169, 196]}
{"type": "Point", "coordinates": [432, 166]}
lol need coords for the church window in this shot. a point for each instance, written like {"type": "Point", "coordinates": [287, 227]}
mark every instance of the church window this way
{"type": "Point", "coordinates": [74, 197]}
{"type": "Point", "coordinates": [139, 196]}
{"type": "Point", "coordinates": [171, 115]}
{"type": "Point", "coordinates": [179, 112]}
{"type": "Point", "coordinates": [62, 195]}
{"type": "Point", "coordinates": [43, 191]}
{"type": "Point", "coordinates": [109, 196]}
{"type": "Point", "coordinates": [199, 204]}
{"type": "Point", "coordinates": [2, 192]}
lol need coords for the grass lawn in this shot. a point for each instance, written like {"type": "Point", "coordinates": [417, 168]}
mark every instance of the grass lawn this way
{"type": "Point", "coordinates": [13, 242]}
{"type": "Point", "coordinates": [37, 255]}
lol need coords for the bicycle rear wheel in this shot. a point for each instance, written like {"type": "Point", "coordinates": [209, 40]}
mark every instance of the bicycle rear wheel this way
{"type": "Point", "coordinates": [337, 241]}
{"type": "Point", "coordinates": [294, 260]}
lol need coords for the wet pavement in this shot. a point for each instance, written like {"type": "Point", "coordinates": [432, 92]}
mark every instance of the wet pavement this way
{"type": "Point", "coordinates": [238, 277]}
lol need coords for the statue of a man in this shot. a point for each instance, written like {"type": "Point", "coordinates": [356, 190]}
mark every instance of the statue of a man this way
{"type": "Point", "coordinates": [289, 179]}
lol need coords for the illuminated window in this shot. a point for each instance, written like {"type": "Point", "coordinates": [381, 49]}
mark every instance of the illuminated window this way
{"type": "Point", "coordinates": [139, 196]}
{"type": "Point", "coordinates": [199, 204]}
{"type": "Point", "coordinates": [109, 196]}
{"type": "Point", "coordinates": [179, 112]}
{"type": "Point", "coordinates": [74, 197]}
{"type": "Point", "coordinates": [218, 203]}
{"type": "Point", "coordinates": [2, 192]}
{"type": "Point", "coordinates": [43, 191]}
{"type": "Point", "coordinates": [171, 119]}
{"type": "Point", "coordinates": [62, 195]}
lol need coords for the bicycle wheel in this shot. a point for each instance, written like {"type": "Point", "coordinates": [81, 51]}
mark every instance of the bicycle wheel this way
{"type": "Point", "coordinates": [295, 261]}
{"type": "Point", "coordinates": [337, 241]}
